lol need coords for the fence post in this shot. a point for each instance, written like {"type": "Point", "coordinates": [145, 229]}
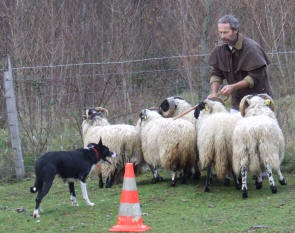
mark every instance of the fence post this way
{"type": "Point", "coordinates": [12, 119]}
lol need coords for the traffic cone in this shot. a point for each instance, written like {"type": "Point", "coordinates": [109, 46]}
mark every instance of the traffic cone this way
{"type": "Point", "coordinates": [129, 219]}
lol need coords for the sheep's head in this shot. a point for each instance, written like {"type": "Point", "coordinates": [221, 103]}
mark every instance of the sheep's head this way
{"type": "Point", "coordinates": [210, 106]}
{"type": "Point", "coordinates": [147, 114]}
{"type": "Point", "coordinates": [256, 103]}
{"type": "Point", "coordinates": [98, 112]}
{"type": "Point", "coordinates": [168, 106]}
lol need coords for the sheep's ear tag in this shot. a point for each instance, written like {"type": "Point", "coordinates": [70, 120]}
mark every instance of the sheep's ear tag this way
{"type": "Point", "coordinates": [267, 102]}
{"type": "Point", "coordinates": [206, 108]}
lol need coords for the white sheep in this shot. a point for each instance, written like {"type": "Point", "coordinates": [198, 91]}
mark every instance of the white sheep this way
{"type": "Point", "coordinates": [214, 138]}
{"type": "Point", "coordinates": [172, 107]}
{"type": "Point", "coordinates": [168, 143]}
{"type": "Point", "coordinates": [258, 142]}
{"type": "Point", "coordinates": [121, 138]}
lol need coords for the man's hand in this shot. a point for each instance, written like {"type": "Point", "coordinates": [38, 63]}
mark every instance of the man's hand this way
{"type": "Point", "coordinates": [227, 90]}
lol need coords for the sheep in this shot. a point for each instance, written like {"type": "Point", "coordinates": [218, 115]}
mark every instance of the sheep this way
{"type": "Point", "coordinates": [168, 143]}
{"type": "Point", "coordinates": [214, 138]}
{"type": "Point", "coordinates": [258, 142]}
{"type": "Point", "coordinates": [173, 106]}
{"type": "Point", "coordinates": [121, 138]}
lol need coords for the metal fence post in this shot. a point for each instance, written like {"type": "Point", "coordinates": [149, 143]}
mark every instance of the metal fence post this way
{"type": "Point", "coordinates": [13, 126]}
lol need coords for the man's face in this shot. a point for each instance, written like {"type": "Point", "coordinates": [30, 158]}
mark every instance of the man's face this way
{"type": "Point", "coordinates": [226, 34]}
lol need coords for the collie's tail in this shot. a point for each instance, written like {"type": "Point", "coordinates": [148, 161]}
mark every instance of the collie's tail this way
{"type": "Point", "coordinates": [33, 189]}
{"type": "Point", "coordinates": [37, 186]}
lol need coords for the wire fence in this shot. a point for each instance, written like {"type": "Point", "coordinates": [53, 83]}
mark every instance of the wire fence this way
{"type": "Point", "coordinates": [51, 99]}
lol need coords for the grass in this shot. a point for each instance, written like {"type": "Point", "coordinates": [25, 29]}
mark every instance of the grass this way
{"type": "Point", "coordinates": [185, 208]}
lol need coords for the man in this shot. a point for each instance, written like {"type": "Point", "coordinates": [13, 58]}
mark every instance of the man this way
{"type": "Point", "coordinates": [239, 60]}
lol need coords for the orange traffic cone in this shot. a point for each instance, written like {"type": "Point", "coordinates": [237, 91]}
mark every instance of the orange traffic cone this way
{"type": "Point", "coordinates": [129, 219]}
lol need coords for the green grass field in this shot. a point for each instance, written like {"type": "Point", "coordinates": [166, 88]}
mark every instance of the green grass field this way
{"type": "Point", "coordinates": [184, 208]}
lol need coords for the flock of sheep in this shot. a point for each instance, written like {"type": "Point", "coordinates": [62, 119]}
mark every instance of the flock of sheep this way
{"type": "Point", "coordinates": [208, 138]}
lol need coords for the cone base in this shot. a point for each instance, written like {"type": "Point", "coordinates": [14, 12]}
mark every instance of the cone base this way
{"type": "Point", "coordinates": [130, 228]}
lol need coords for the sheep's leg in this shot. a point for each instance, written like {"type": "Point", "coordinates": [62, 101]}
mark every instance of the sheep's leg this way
{"type": "Point", "coordinates": [258, 181]}
{"type": "Point", "coordinates": [227, 180]}
{"type": "Point", "coordinates": [109, 181]}
{"type": "Point", "coordinates": [272, 185]}
{"type": "Point", "coordinates": [282, 179]}
{"type": "Point", "coordinates": [186, 174]}
{"type": "Point", "coordinates": [173, 178]}
{"type": "Point", "coordinates": [197, 170]}
{"type": "Point", "coordinates": [244, 182]}
{"type": "Point", "coordinates": [236, 180]}
{"type": "Point", "coordinates": [156, 176]}
{"type": "Point", "coordinates": [100, 179]}
{"type": "Point", "coordinates": [207, 184]}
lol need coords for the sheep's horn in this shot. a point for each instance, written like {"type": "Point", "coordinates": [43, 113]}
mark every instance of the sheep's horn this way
{"type": "Point", "coordinates": [103, 110]}
{"type": "Point", "coordinates": [244, 104]}
{"type": "Point", "coordinates": [218, 95]}
{"type": "Point", "coordinates": [167, 107]}
{"type": "Point", "coordinates": [267, 97]}
{"type": "Point", "coordinates": [154, 108]}
{"type": "Point", "coordinates": [218, 99]}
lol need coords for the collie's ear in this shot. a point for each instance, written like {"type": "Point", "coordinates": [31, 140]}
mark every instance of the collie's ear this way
{"type": "Point", "coordinates": [100, 142]}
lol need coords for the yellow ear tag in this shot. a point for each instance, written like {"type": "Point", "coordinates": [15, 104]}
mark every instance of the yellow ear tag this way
{"type": "Point", "coordinates": [206, 108]}
{"type": "Point", "coordinates": [267, 102]}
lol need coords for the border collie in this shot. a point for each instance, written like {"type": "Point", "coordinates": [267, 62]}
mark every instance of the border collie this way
{"type": "Point", "coordinates": [70, 166]}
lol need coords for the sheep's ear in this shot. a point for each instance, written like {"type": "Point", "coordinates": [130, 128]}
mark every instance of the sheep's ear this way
{"type": "Point", "coordinates": [268, 101]}
{"type": "Point", "coordinates": [142, 115]}
{"type": "Point", "coordinates": [244, 104]}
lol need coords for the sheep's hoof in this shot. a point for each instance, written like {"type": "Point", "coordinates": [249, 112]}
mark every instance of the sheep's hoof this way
{"type": "Point", "coordinates": [154, 181]}
{"type": "Point", "coordinates": [244, 193]}
{"type": "Point", "coordinates": [197, 175]}
{"type": "Point", "coordinates": [160, 178]}
{"type": "Point", "coordinates": [258, 185]}
{"type": "Point", "coordinates": [108, 184]}
{"type": "Point", "coordinates": [206, 189]}
{"type": "Point", "coordinates": [100, 184]}
{"type": "Point", "coordinates": [274, 189]}
{"type": "Point", "coordinates": [283, 182]}
{"type": "Point", "coordinates": [227, 182]}
{"type": "Point", "coordinates": [238, 186]}
{"type": "Point", "coordinates": [183, 181]}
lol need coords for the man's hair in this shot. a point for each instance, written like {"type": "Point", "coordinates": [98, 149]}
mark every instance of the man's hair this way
{"type": "Point", "coordinates": [231, 20]}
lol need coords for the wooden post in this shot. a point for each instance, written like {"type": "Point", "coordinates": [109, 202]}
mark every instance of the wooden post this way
{"type": "Point", "coordinates": [12, 119]}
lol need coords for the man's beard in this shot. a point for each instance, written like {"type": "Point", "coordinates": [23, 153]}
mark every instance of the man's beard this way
{"type": "Point", "coordinates": [231, 41]}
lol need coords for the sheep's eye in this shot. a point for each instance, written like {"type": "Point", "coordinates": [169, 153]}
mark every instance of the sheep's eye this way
{"type": "Point", "coordinates": [206, 108]}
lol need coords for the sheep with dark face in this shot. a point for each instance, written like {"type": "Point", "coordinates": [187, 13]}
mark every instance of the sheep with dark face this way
{"type": "Point", "coordinates": [173, 106]}
{"type": "Point", "coordinates": [214, 137]}
{"type": "Point", "coordinates": [258, 142]}
{"type": "Point", "coordinates": [121, 138]}
{"type": "Point", "coordinates": [168, 143]}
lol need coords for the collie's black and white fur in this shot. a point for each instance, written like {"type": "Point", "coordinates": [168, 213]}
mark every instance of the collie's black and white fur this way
{"type": "Point", "coordinates": [70, 166]}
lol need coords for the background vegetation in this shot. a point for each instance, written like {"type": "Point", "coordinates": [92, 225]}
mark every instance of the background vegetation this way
{"type": "Point", "coordinates": [125, 55]}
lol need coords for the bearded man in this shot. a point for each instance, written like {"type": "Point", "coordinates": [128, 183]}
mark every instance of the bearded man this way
{"type": "Point", "coordinates": [239, 60]}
